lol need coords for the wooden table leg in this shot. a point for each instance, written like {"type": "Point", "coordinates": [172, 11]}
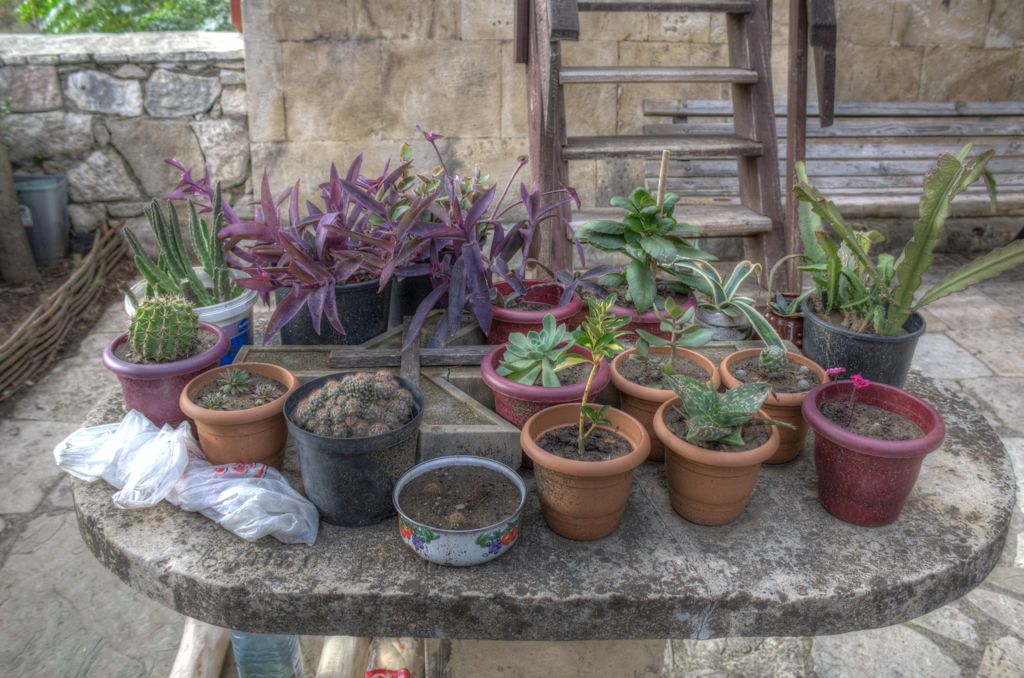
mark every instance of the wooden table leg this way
{"type": "Point", "coordinates": [343, 657]}
{"type": "Point", "coordinates": [201, 651]}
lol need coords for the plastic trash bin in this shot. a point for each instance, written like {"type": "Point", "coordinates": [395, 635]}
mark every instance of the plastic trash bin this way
{"type": "Point", "coordinates": [46, 221]}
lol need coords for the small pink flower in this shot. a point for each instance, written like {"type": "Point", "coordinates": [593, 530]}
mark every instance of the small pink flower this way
{"type": "Point", "coordinates": [835, 371]}
{"type": "Point", "coordinates": [859, 382]}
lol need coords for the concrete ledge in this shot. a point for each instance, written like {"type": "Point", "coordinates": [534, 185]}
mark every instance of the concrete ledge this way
{"type": "Point", "coordinates": [130, 47]}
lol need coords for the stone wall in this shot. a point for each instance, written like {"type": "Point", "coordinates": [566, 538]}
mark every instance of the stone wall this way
{"type": "Point", "coordinates": [105, 110]}
{"type": "Point", "coordinates": [330, 78]}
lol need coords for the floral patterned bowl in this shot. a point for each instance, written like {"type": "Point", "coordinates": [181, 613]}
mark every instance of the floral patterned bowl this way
{"type": "Point", "coordinates": [460, 547]}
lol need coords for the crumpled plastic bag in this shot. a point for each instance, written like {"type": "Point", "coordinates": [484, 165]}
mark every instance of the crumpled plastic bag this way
{"type": "Point", "coordinates": [148, 465]}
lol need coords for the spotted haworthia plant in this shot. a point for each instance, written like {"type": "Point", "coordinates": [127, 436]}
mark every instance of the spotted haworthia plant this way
{"type": "Point", "coordinates": [719, 417]}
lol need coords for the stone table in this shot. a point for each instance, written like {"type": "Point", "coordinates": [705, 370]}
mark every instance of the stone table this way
{"type": "Point", "coordinates": [784, 568]}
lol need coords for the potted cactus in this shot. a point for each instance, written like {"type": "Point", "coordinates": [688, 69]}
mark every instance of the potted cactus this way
{"type": "Point", "coordinates": [531, 373]}
{"type": "Point", "coordinates": [715, 444]}
{"type": "Point", "coordinates": [236, 410]}
{"type": "Point", "coordinates": [209, 286]}
{"type": "Point", "coordinates": [583, 456]}
{"type": "Point", "coordinates": [639, 375]}
{"type": "Point", "coordinates": [789, 375]}
{"type": "Point", "coordinates": [356, 433]}
{"type": "Point", "coordinates": [165, 346]}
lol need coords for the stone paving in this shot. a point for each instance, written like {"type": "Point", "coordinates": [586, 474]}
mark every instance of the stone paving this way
{"type": "Point", "coordinates": [65, 615]}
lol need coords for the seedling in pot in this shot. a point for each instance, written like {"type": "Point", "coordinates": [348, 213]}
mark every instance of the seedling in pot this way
{"type": "Point", "coordinates": [234, 382]}
{"type": "Point", "coordinates": [600, 334]}
{"type": "Point", "coordinates": [677, 321]}
{"type": "Point", "coordinates": [237, 388]}
{"type": "Point", "coordinates": [536, 355]}
{"type": "Point", "coordinates": [713, 417]}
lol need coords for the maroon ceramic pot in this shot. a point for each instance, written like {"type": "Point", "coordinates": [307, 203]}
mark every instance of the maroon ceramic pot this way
{"type": "Point", "coordinates": [508, 320]}
{"type": "Point", "coordinates": [863, 480]}
{"type": "Point", "coordinates": [517, 402]}
{"type": "Point", "coordinates": [154, 389]}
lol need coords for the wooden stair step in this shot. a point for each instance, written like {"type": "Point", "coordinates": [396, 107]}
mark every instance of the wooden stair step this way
{"type": "Point", "coordinates": [730, 6]}
{"type": "Point", "coordinates": [641, 146]}
{"type": "Point", "coordinates": [630, 74]}
{"type": "Point", "coordinates": [714, 220]}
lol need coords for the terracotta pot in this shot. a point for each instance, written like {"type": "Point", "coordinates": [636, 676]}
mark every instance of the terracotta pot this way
{"type": "Point", "coordinates": [783, 406]}
{"type": "Point", "coordinates": [641, 402]}
{"type": "Point", "coordinates": [256, 435]}
{"type": "Point", "coordinates": [508, 320]}
{"type": "Point", "coordinates": [862, 480]}
{"type": "Point", "coordinates": [518, 402]}
{"type": "Point", "coordinates": [705, 486]}
{"type": "Point", "coordinates": [154, 389]}
{"type": "Point", "coordinates": [583, 500]}
{"type": "Point", "coordinates": [789, 326]}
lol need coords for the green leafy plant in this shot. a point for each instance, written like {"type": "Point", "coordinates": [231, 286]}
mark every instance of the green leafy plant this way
{"type": "Point", "coordinates": [890, 284]}
{"type": "Point", "coordinates": [234, 382]}
{"type": "Point", "coordinates": [85, 16]}
{"type": "Point", "coordinates": [537, 354]}
{"type": "Point", "coordinates": [711, 416]}
{"type": "Point", "coordinates": [678, 322]}
{"type": "Point", "coordinates": [601, 334]}
{"type": "Point", "coordinates": [172, 272]}
{"type": "Point", "coordinates": [718, 294]}
{"type": "Point", "coordinates": [164, 329]}
{"type": "Point", "coordinates": [650, 236]}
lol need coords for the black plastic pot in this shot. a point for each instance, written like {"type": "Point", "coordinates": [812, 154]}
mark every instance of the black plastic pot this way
{"type": "Point", "coordinates": [350, 480]}
{"type": "Point", "coordinates": [882, 359]}
{"type": "Point", "coordinates": [362, 311]}
{"type": "Point", "coordinates": [406, 297]}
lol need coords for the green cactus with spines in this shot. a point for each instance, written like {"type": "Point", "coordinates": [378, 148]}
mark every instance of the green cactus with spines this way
{"type": "Point", "coordinates": [357, 405]}
{"type": "Point", "coordinates": [172, 272]}
{"type": "Point", "coordinates": [234, 382]}
{"type": "Point", "coordinates": [164, 329]}
{"type": "Point", "coordinates": [718, 417]}
{"type": "Point", "coordinates": [773, 361]}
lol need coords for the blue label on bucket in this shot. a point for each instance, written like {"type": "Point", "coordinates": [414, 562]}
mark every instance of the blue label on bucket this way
{"type": "Point", "coordinates": [240, 336]}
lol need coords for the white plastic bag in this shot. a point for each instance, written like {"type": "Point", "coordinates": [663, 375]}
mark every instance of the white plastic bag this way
{"type": "Point", "coordinates": [147, 474]}
{"type": "Point", "coordinates": [88, 453]}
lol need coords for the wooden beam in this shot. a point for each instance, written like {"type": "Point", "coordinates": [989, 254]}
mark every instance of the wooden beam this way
{"type": "Point", "coordinates": [796, 131]}
{"type": "Point", "coordinates": [521, 40]}
{"type": "Point", "coordinates": [343, 657]}
{"type": "Point", "coordinates": [357, 356]}
{"type": "Point", "coordinates": [201, 650]}
{"type": "Point", "coordinates": [565, 20]}
{"type": "Point", "coordinates": [851, 109]}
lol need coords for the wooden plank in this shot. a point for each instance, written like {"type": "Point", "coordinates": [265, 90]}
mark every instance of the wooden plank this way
{"type": "Point", "coordinates": [565, 20]}
{"type": "Point", "coordinates": [521, 39]}
{"type": "Point", "coordinates": [729, 185]}
{"type": "Point", "coordinates": [343, 657]}
{"type": "Point", "coordinates": [855, 129]}
{"type": "Point", "coordinates": [734, 6]}
{"type": "Point", "coordinates": [357, 356]}
{"type": "Point", "coordinates": [640, 146]}
{"type": "Point", "coordinates": [634, 74]}
{"type": "Point", "coordinates": [828, 167]}
{"type": "Point", "coordinates": [821, 22]}
{"type": "Point", "coordinates": [410, 359]}
{"type": "Point", "coordinates": [201, 650]}
{"type": "Point", "coordinates": [795, 129]}
{"type": "Point", "coordinates": [967, 205]}
{"type": "Point", "coordinates": [858, 109]}
{"type": "Point", "coordinates": [715, 221]}
{"type": "Point", "coordinates": [825, 78]}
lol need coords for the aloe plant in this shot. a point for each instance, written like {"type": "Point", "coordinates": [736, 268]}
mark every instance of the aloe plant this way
{"type": "Point", "coordinates": [893, 282]}
{"type": "Point", "coordinates": [537, 354]}
{"type": "Point", "coordinates": [711, 416]}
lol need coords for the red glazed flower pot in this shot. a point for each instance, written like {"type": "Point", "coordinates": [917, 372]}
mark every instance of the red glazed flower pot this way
{"type": "Point", "coordinates": [154, 389]}
{"type": "Point", "coordinates": [509, 320]}
{"type": "Point", "coordinates": [517, 402]}
{"type": "Point", "coordinates": [862, 480]}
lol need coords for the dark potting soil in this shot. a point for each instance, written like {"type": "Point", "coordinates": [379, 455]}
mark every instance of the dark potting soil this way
{"type": "Point", "coordinates": [601, 445]}
{"type": "Point", "coordinates": [460, 498]}
{"type": "Point", "coordinates": [871, 421]}
{"type": "Point", "coordinates": [570, 375]}
{"type": "Point", "coordinates": [749, 372]}
{"type": "Point", "coordinates": [848, 321]}
{"type": "Point", "coordinates": [649, 372]}
{"type": "Point", "coordinates": [521, 304]}
{"type": "Point", "coordinates": [754, 435]}
{"type": "Point", "coordinates": [258, 392]}
{"type": "Point", "coordinates": [204, 342]}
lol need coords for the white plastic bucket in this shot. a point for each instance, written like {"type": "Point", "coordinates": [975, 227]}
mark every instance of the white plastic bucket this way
{"type": "Point", "coordinates": [234, 316]}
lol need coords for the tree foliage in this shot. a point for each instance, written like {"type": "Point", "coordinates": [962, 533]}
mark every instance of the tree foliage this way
{"type": "Point", "coordinates": [121, 16]}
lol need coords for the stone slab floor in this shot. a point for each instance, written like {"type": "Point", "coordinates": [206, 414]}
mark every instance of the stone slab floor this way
{"type": "Point", "coordinates": [62, 614]}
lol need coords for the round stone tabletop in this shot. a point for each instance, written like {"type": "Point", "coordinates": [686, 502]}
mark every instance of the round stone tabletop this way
{"type": "Point", "coordinates": [784, 568]}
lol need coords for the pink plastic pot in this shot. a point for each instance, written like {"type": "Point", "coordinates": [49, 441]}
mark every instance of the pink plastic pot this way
{"type": "Point", "coordinates": [154, 389]}
{"type": "Point", "coordinates": [862, 480]}
{"type": "Point", "coordinates": [517, 402]}
{"type": "Point", "coordinates": [507, 320]}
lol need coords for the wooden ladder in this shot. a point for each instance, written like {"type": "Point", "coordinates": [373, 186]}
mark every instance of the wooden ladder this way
{"type": "Point", "coordinates": [542, 25]}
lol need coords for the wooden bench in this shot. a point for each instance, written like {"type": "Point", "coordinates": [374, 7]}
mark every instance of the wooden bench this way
{"type": "Point", "coordinates": [871, 162]}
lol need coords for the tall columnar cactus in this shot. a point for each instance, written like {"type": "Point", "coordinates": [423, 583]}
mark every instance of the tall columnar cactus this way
{"type": "Point", "coordinates": [172, 273]}
{"type": "Point", "coordinates": [164, 329]}
{"type": "Point", "coordinates": [358, 405]}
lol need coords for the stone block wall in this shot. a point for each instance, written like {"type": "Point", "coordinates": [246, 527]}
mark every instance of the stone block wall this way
{"type": "Point", "coordinates": [105, 110]}
{"type": "Point", "coordinates": [331, 78]}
